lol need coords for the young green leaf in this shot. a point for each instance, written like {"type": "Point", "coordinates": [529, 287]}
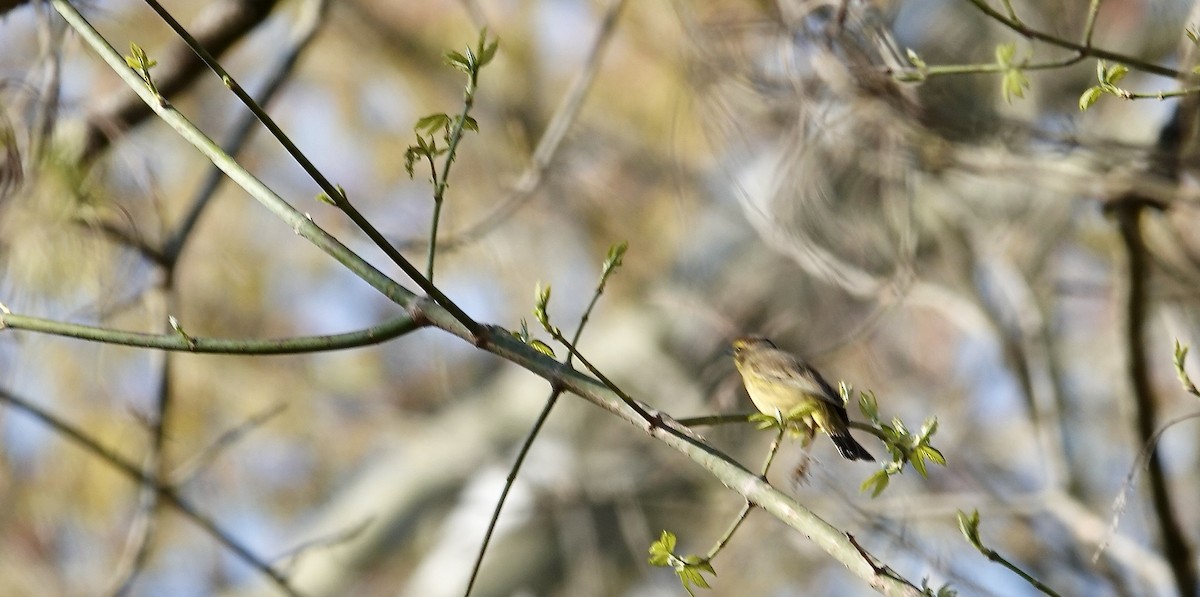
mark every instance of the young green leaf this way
{"type": "Point", "coordinates": [431, 123]}
{"type": "Point", "coordinates": [1014, 84]}
{"type": "Point", "coordinates": [541, 298]}
{"type": "Point", "coordinates": [1115, 74]}
{"type": "Point", "coordinates": [138, 59]}
{"type": "Point", "coordinates": [969, 525]}
{"type": "Point", "coordinates": [543, 348]}
{"type": "Point", "coordinates": [613, 259]}
{"type": "Point", "coordinates": [457, 60]}
{"type": "Point", "coordinates": [469, 124]}
{"type": "Point", "coordinates": [1005, 54]}
{"type": "Point", "coordinates": [876, 483]}
{"type": "Point", "coordinates": [488, 52]}
{"type": "Point", "coordinates": [868, 405]}
{"type": "Point", "coordinates": [914, 59]}
{"type": "Point", "coordinates": [661, 551]}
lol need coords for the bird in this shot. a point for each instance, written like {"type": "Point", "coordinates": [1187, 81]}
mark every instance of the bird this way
{"type": "Point", "coordinates": [779, 383]}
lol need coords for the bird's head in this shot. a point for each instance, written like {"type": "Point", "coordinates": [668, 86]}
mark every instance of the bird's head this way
{"type": "Point", "coordinates": [745, 343]}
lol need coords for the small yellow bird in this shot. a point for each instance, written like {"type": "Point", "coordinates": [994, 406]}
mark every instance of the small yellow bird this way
{"type": "Point", "coordinates": [778, 383]}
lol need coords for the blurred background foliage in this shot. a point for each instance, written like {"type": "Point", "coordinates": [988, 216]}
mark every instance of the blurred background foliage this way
{"type": "Point", "coordinates": [930, 242]}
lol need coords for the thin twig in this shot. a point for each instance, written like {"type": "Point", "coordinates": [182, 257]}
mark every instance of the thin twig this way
{"type": "Point", "coordinates": [652, 420]}
{"type": "Point", "coordinates": [166, 492]}
{"type": "Point", "coordinates": [747, 506]}
{"type": "Point", "coordinates": [1178, 552]}
{"type": "Point", "coordinates": [145, 524]}
{"type": "Point", "coordinates": [172, 341]}
{"type": "Point", "coordinates": [188, 471]}
{"type": "Point", "coordinates": [1089, 27]}
{"type": "Point", "coordinates": [547, 148]}
{"type": "Point", "coordinates": [1118, 506]}
{"type": "Point", "coordinates": [715, 420]}
{"type": "Point", "coordinates": [551, 400]}
{"type": "Point", "coordinates": [1086, 50]}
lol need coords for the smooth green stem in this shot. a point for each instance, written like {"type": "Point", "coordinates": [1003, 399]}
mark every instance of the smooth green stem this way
{"type": "Point", "coordinates": [1085, 50]}
{"type": "Point", "coordinates": [733, 527]}
{"type": "Point", "coordinates": [508, 484]}
{"type": "Point", "coordinates": [716, 420]}
{"type": "Point", "coordinates": [1161, 95]}
{"type": "Point", "coordinates": [175, 342]}
{"type": "Point", "coordinates": [211, 61]}
{"type": "Point", "coordinates": [918, 74]}
{"type": "Point", "coordinates": [748, 505]}
{"type": "Point", "coordinates": [433, 233]}
{"type": "Point", "coordinates": [766, 466]}
{"type": "Point", "coordinates": [1037, 584]}
{"type": "Point", "coordinates": [434, 293]}
{"type": "Point", "coordinates": [431, 250]}
{"type": "Point", "coordinates": [440, 182]}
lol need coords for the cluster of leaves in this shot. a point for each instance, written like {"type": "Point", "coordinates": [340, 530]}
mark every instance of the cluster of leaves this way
{"type": "Point", "coordinates": [541, 300]}
{"type": "Point", "coordinates": [427, 128]}
{"type": "Point", "coordinates": [1014, 82]}
{"type": "Point", "coordinates": [141, 63]}
{"type": "Point", "coordinates": [1181, 353]}
{"type": "Point", "coordinates": [526, 338]}
{"type": "Point", "coordinates": [903, 445]}
{"type": "Point", "coordinates": [1108, 77]}
{"type": "Point", "coordinates": [689, 569]}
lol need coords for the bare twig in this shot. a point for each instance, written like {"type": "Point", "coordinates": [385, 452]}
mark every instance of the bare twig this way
{"type": "Point", "coordinates": [164, 491]}
{"type": "Point", "coordinates": [193, 467]}
{"type": "Point", "coordinates": [1175, 544]}
{"type": "Point", "coordinates": [609, 267]}
{"type": "Point", "coordinates": [145, 524]}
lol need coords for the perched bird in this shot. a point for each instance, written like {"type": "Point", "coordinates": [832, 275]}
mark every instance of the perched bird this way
{"type": "Point", "coordinates": [779, 383]}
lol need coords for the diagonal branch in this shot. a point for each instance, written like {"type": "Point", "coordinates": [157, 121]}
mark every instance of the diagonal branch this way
{"type": "Point", "coordinates": [164, 491]}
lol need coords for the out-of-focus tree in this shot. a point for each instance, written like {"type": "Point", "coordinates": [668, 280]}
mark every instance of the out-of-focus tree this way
{"type": "Point", "coordinates": [977, 212]}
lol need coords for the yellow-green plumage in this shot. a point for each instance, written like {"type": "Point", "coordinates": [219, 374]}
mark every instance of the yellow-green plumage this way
{"type": "Point", "coordinates": [778, 381]}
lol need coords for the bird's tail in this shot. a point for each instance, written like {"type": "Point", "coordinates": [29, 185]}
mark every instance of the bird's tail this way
{"type": "Point", "coordinates": [849, 448]}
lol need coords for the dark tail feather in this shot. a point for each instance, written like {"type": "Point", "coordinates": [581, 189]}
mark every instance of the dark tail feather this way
{"type": "Point", "coordinates": [850, 449]}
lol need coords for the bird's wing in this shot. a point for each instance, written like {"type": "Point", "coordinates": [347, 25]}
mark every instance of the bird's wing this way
{"type": "Point", "coordinates": [827, 392]}
{"type": "Point", "coordinates": [776, 365]}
